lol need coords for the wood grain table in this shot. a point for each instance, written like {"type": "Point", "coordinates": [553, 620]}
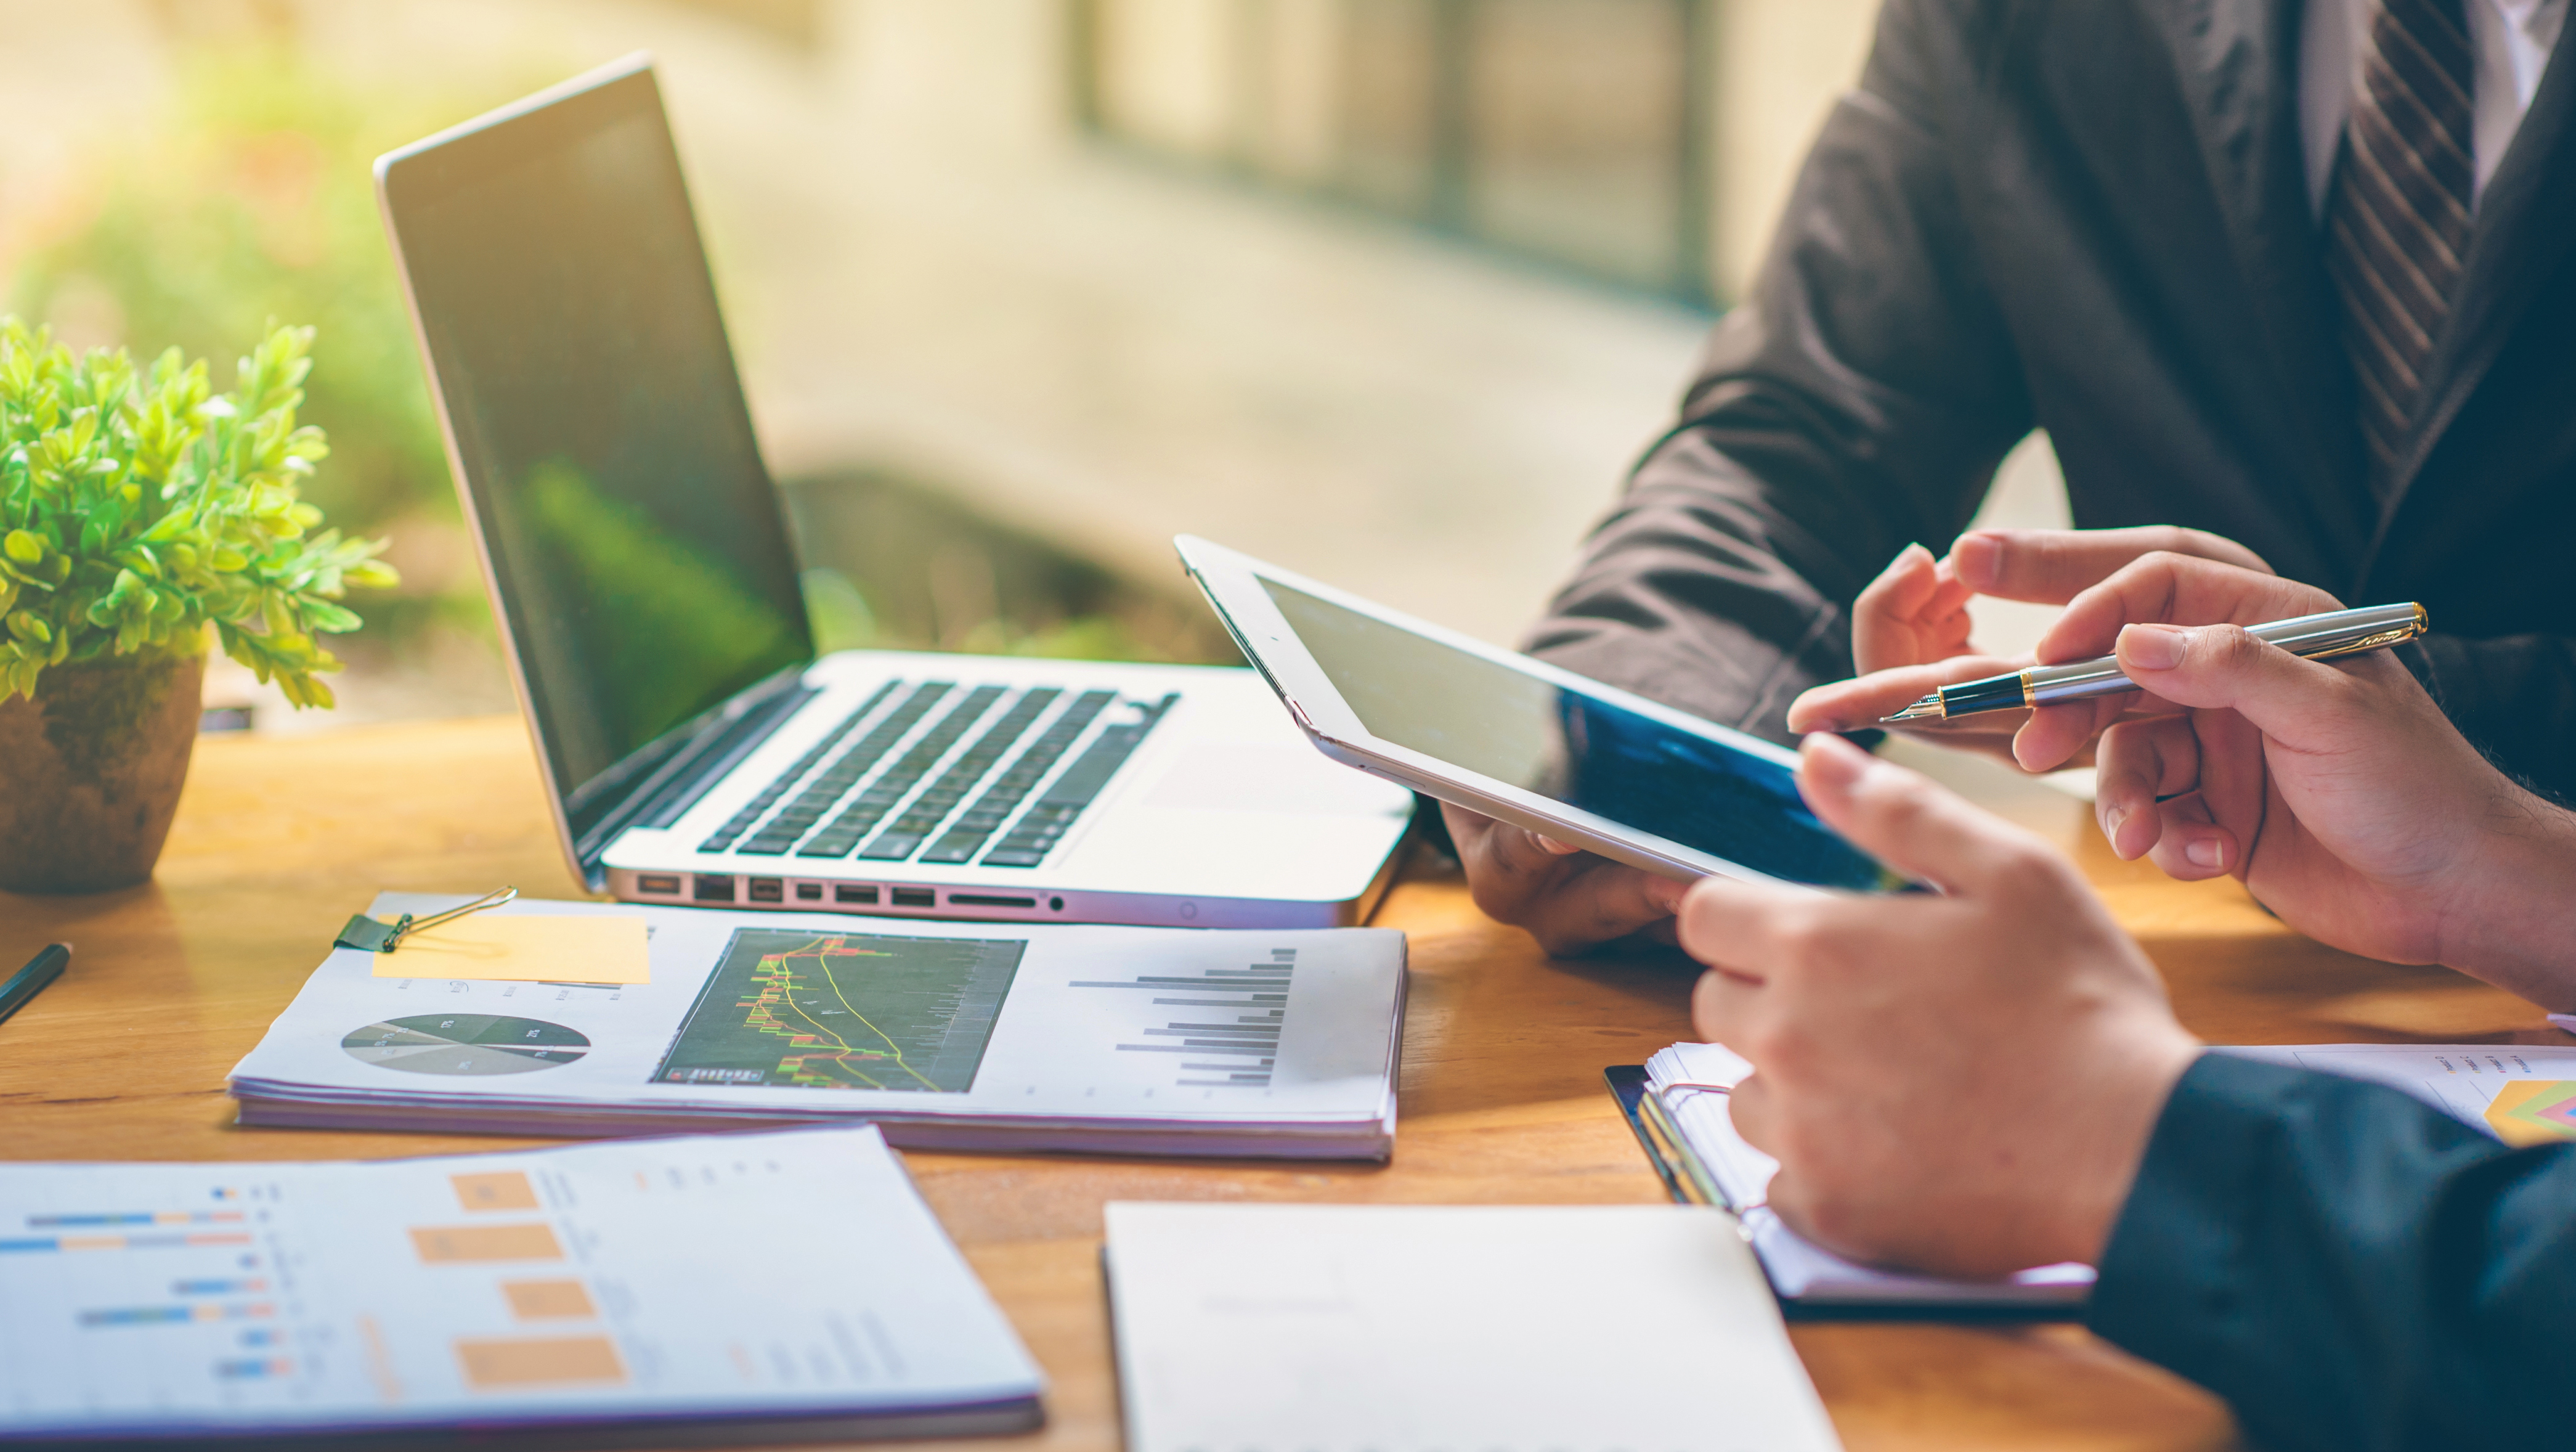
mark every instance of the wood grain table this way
{"type": "Point", "coordinates": [279, 840]}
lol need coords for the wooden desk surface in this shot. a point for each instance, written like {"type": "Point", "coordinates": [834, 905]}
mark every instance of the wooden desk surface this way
{"type": "Point", "coordinates": [279, 840]}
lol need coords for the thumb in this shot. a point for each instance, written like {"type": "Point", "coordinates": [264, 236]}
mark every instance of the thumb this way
{"type": "Point", "coordinates": [2293, 700]}
{"type": "Point", "coordinates": [1904, 820]}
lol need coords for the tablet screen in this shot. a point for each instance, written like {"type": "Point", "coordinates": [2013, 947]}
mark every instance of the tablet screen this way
{"type": "Point", "coordinates": [1574, 748]}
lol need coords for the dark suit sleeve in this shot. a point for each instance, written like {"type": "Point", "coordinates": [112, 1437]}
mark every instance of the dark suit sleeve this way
{"type": "Point", "coordinates": [1859, 399]}
{"type": "Point", "coordinates": [2514, 696]}
{"type": "Point", "coordinates": [2349, 1268]}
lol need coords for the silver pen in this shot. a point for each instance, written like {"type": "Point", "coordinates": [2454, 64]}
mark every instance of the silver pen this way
{"type": "Point", "coordinates": [2317, 637]}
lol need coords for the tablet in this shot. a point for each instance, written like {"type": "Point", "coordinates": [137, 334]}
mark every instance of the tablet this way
{"type": "Point", "coordinates": [1523, 741]}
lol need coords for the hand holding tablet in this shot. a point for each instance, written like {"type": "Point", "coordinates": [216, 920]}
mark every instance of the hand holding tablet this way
{"type": "Point", "coordinates": [1523, 742]}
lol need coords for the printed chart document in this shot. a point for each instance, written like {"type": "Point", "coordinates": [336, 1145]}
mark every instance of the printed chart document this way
{"type": "Point", "coordinates": [2502, 1089]}
{"type": "Point", "coordinates": [2480, 1085]}
{"type": "Point", "coordinates": [1365, 1328]}
{"type": "Point", "coordinates": [948, 1035]}
{"type": "Point", "coordinates": [769, 1286]}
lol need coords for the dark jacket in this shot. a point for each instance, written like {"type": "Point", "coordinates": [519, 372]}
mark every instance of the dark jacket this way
{"type": "Point", "coordinates": [2091, 216]}
{"type": "Point", "coordinates": [2354, 1271]}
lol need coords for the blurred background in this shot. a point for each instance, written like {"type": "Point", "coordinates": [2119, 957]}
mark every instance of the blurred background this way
{"type": "Point", "coordinates": [1389, 291]}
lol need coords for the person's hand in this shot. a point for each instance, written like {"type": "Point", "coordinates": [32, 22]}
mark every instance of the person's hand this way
{"type": "Point", "coordinates": [1961, 1084]}
{"type": "Point", "coordinates": [1567, 898]}
{"type": "Point", "coordinates": [2337, 791]}
{"type": "Point", "coordinates": [1910, 626]}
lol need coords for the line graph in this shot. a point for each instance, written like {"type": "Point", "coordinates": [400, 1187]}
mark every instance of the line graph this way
{"type": "Point", "coordinates": [845, 1011]}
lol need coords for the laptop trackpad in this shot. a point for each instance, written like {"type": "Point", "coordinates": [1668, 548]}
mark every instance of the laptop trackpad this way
{"type": "Point", "coordinates": [1227, 776]}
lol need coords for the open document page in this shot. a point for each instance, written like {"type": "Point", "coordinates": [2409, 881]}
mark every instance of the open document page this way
{"type": "Point", "coordinates": [2492, 1087]}
{"type": "Point", "coordinates": [1418, 1328]}
{"type": "Point", "coordinates": [2518, 1092]}
{"type": "Point", "coordinates": [771, 1285]}
{"type": "Point", "coordinates": [964, 1035]}
{"type": "Point", "coordinates": [1692, 1080]}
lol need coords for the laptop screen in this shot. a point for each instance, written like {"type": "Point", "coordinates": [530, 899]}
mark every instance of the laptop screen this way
{"type": "Point", "coordinates": [635, 541]}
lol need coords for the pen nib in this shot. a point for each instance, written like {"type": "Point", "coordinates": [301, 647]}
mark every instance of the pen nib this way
{"type": "Point", "coordinates": [1927, 709]}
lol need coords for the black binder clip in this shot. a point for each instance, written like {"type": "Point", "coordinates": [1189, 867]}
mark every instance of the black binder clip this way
{"type": "Point", "coordinates": [369, 936]}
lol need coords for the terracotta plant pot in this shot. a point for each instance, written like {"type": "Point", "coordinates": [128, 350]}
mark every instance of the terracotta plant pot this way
{"type": "Point", "coordinates": [90, 771]}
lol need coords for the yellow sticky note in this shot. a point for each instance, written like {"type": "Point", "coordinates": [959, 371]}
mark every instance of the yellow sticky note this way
{"type": "Point", "coordinates": [525, 947]}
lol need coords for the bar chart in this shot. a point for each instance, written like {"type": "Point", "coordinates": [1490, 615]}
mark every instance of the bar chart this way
{"type": "Point", "coordinates": [1229, 1038]}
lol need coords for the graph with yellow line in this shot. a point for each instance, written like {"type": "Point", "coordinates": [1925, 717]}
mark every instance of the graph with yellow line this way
{"type": "Point", "coordinates": [820, 1010]}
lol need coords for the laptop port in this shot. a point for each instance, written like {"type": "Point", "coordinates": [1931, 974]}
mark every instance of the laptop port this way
{"type": "Point", "coordinates": [989, 899]}
{"type": "Point", "coordinates": [662, 882]}
{"type": "Point", "coordinates": [915, 897]}
{"type": "Point", "coordinates": [843, 892]}
{"type": "Point", "coordinates": [809, 892]}
{"type": "Point", "coordinates": [768, 889]}
{"type": "Point", "coordinates": [712, 887]}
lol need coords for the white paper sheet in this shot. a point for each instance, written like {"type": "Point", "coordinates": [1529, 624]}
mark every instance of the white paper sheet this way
{"type": "Point", "coordinates": [1313, 1328]}
{"type": "Point", "coordinates": [779, 1274]}
{"type": "Point", "coordinates": [2458, 1079]}
{"type": "Point", "coordinates": [835, 1015]}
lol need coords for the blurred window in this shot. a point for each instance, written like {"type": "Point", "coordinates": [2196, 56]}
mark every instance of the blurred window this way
{"type": "Point", "coordinates": [1571, 131]}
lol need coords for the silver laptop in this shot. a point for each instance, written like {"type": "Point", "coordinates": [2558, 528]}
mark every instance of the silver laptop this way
{"type": "Point", "coordinates": [696, 749]}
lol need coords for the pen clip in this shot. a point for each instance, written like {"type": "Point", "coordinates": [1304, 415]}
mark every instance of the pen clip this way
{"type": "Point", "coordinates": [368, 935]}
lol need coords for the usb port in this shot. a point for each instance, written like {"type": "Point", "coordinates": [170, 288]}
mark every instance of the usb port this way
{"type": "Point", "coordinates": [663, 882]}
{"type": "Point", "coordinates": [915, 897]}
{"type": "Point", "coordinates": [712, 887]}
{"type": "Point", "coordinates": [809, 892]}
{"type": "Point", "coordinates": [843, 892]}
{"type": "Point", "coordinates": [768, 889]}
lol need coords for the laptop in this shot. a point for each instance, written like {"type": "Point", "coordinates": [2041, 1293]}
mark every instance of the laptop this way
{"type": "Point", "coordinates": [696, 748]}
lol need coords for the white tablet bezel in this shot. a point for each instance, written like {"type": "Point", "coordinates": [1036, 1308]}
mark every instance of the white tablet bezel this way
{"type": "Point", "coordinates": [1232, 582]}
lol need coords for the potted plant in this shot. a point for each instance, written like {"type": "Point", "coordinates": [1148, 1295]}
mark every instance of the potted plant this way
{"type": "Point", "coordinates": [136, 510]}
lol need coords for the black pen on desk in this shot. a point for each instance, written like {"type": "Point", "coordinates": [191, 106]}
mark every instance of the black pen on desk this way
{"type": "Point", "coordinates": [2317, 637]}
{"type": "Point", "coordinates": [29, 981]}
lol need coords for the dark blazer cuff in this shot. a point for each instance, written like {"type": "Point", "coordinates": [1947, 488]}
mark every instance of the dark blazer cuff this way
{"type": "Point", "coordinates": [2174, 1273]}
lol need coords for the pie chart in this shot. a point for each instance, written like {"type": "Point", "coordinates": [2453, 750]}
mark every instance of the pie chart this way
{"type": "Point", "coordinates": [465, 1043]}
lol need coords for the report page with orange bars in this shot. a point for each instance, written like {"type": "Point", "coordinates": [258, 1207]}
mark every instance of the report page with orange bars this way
{"type": "Point", "coordinates": [788, 1274]}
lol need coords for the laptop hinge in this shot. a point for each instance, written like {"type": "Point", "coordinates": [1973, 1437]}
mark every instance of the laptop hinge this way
{"type": "Point", "coordinates": [693, 770]}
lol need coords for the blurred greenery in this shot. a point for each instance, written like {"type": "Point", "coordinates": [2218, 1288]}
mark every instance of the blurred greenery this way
{"type": "Point", "coordinates": [661, 618]}
{"type": "Point", "coordinates": [251, 198]}
{"type": "Point", "coordinates": [899, 563]}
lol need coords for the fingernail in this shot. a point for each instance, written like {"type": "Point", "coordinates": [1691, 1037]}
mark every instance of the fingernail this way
{"type": "Point", "coordinates": [1667, 894]}
{"type": "Point", "coordinates": [2206, 852]}
{"type": "Point", "coordinates": [2153, 647]}
{"type": "Point", "coordinates": [1832, 760]}
{"type": "Point", "coordinates": [2111, 821]}
{"type": "Point", "coordinates": [1977, 559]}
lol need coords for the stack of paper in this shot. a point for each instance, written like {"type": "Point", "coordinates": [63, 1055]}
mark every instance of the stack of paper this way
{"type": "Point", "coordinates": [776, 1286]}
{"type": "Point", "coordinates": [1147, 1040]}
{"type": "Point", "coordinates": [1336, 1328]}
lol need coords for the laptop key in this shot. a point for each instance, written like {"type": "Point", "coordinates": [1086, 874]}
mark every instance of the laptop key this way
{"type": "Point", "coordinates": [845, 831]}
{"type": "Point", "coordinates": [740, 822]}
{"type": "Point", "coordinates": [1044, 824]}
{"type": "Point", "coordinates": [792, 822]}
{"type": "Point", "coordinates": [920, 820]}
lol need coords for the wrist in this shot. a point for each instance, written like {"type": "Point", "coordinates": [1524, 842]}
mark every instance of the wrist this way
{"type": "Point", "coordinates": [2136, 1079]}
{"type": "Point", "coordinates": [2514, 921]}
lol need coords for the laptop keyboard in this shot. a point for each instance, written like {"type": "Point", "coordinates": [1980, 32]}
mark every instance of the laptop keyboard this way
{"type": "Point", "coordinates": [824, 820]}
